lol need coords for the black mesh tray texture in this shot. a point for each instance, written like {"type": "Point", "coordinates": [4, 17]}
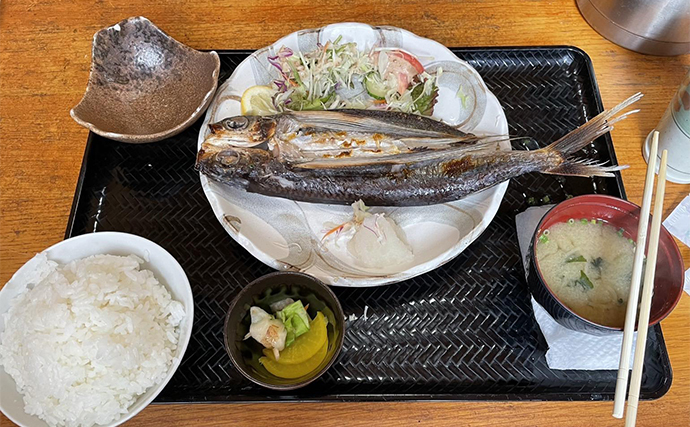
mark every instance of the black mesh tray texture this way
{"type": "Point", "coordinates": [463, 331]}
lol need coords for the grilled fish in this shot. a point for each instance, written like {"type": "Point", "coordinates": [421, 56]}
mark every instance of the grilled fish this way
{"type": "Point", "coordinates": [299, 136]}
{"type": "Point", "coordinates": [416, 177]}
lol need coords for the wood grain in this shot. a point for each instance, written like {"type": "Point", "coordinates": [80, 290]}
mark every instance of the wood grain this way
{"type": "Point", "coordinates": [44, 63]}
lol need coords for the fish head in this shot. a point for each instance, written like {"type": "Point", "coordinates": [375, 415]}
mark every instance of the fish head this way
{"type": "Point", "coordinates": [222, 160]}
{"type": "Point", "coordinates": [244, 131]}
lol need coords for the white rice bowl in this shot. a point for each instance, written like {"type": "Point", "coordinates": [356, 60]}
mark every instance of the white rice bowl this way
{"type": "Point", "coordinates": [91, 341]}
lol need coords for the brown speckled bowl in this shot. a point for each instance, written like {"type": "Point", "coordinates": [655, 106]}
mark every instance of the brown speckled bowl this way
{"type": "Point", "coordinates": [144, 85]}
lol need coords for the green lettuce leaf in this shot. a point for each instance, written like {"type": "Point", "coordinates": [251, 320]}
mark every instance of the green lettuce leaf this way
{"type": "Point", "coordinates": [295, 319]}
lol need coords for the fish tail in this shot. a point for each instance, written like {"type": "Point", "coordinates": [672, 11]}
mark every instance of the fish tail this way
{"type": "Point", "coordinates": [584, 135]}
{"type": "Point", "coordinates": [586, 168]}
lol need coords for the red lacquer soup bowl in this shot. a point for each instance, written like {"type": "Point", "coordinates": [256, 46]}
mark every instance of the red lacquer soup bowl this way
{"type": "Point", "coordinates": [619, 213]}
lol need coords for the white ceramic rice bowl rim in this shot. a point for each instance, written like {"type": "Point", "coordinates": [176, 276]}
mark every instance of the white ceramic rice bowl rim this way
{"type": "Point", "coordinates": [167, 270]}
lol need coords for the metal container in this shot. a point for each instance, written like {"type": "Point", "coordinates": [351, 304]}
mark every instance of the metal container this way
{"type": "Point", "coordinates": [654, 27]}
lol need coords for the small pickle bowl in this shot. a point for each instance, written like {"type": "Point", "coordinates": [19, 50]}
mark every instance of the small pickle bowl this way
{"type": "Point", "coordinates": [619, 213]}
{"type": "Point", "coordinates": [264, 291]}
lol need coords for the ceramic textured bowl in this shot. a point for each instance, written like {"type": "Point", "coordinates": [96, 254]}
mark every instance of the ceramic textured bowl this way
{"type": "Point", "coordinates": [668, 282]}
{"type": "Point", "coordinates": [263, 292]}
{"type": "Point", "coordinates": [144, 85]}
{"type": "Point", "coordinates": [163, 265]}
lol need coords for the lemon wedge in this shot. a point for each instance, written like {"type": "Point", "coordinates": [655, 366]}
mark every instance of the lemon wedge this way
{"type": "Point", "coordinates": [258, 101]}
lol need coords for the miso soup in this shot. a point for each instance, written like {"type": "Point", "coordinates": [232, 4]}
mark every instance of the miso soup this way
{"type": "Point", "coordinates": [588, 264]}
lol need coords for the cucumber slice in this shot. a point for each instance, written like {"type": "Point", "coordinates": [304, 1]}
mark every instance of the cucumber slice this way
{"type": "Point", "coordinates": [376, 87]}
{"type": "Point", "coordinates": [318, 103]}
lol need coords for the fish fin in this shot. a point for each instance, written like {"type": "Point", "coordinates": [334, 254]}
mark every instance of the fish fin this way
{"type": "Point", "coordinates": [584, 135]}
{"type": "Point", "coordinates": [588, 132]}
{"type": "Point", "coordinates": [429, 142]}
{"type": "Point", "coordinates": [372, 121]}
{"type": "Point", "coordinates": [441, 141]}
{"type": "Point", "coordinates": [586, 168]}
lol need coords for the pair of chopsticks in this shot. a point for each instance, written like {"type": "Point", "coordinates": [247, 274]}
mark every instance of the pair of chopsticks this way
{"type": "Point", "coordinates": [647, 289]}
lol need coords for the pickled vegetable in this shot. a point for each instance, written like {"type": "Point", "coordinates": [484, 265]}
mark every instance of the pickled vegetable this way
{"type": "Point", "coordinates": [296, 321]}
{"type": "Point", "coordinates": [295, 370]}
{"type": "Point", "coordinates": [305, 346]}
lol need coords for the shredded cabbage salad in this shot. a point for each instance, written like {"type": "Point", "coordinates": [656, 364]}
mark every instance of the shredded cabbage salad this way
{"type": "Point", "coordinates": [337, 75]}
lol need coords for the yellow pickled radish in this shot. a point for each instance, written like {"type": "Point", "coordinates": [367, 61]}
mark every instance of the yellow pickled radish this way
{"type": "Point", "coordinates": [297, 370]}
{"type": "Point", "coordinates": [305, 346]}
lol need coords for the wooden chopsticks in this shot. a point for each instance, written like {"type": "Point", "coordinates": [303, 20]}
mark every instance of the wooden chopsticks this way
{"type": "Point", "coordinates": [647, 291]}
{"type": "Point", "coordinates": [634, 293]}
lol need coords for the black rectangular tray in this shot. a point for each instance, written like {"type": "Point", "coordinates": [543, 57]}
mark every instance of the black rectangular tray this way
{"type": "Point", "coordinates": [463, 331]}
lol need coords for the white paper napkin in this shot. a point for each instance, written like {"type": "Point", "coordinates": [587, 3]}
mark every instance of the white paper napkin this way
{"type": "Point", "coordinates": [568, 349]}
{"type": "Point", "coordinates": [678, 224]}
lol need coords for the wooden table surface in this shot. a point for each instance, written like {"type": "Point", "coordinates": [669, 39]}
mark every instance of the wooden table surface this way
{"type": "Point", "coordinates": [45, 49]}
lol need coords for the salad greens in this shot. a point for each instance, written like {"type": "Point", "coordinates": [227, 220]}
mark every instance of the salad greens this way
{"type": "Point", "coordinates": [423, 101]}
{"type": "Point", "coordinates": [338, 75]}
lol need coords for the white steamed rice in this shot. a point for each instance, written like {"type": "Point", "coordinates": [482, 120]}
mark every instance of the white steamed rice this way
{"type": "Point", "coordinates": [84, 340]}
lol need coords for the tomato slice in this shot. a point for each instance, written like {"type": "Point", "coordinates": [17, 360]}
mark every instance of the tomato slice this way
{"type": "Point", "coordinates": [401, 68]}
{"type": "Point", "coordinates": [412, 60]}
{"type": "Point", "coordinates": [408, 57]}
{"type": "Point", "coordinates": [403, 83]}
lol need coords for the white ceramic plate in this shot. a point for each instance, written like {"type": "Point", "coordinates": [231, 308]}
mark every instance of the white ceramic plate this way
{"type": "Point", "coordinates": [286, 235]}
{"type": "Point", "coordinates": [166, 269]}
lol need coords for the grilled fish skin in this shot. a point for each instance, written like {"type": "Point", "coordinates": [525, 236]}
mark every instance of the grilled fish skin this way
{"type": "Point", "coordinates": [258, 171]}
{"type": "Point", "coordinates": [407, 179]}
{"type": "Point", "coordinates": [301, 136]}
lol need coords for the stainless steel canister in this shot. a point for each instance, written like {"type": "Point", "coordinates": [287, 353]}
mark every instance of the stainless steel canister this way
{"type": "Point", "coordinates": [654, 27]}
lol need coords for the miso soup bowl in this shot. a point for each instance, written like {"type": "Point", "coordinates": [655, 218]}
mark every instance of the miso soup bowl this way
{"type": "Point", "coordinates": [619, 213]}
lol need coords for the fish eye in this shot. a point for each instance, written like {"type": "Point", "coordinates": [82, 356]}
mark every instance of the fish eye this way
{"type": "Point", "coordinates": [235, 123]}
{"type": "Point", "coordinates": [228, 157]}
